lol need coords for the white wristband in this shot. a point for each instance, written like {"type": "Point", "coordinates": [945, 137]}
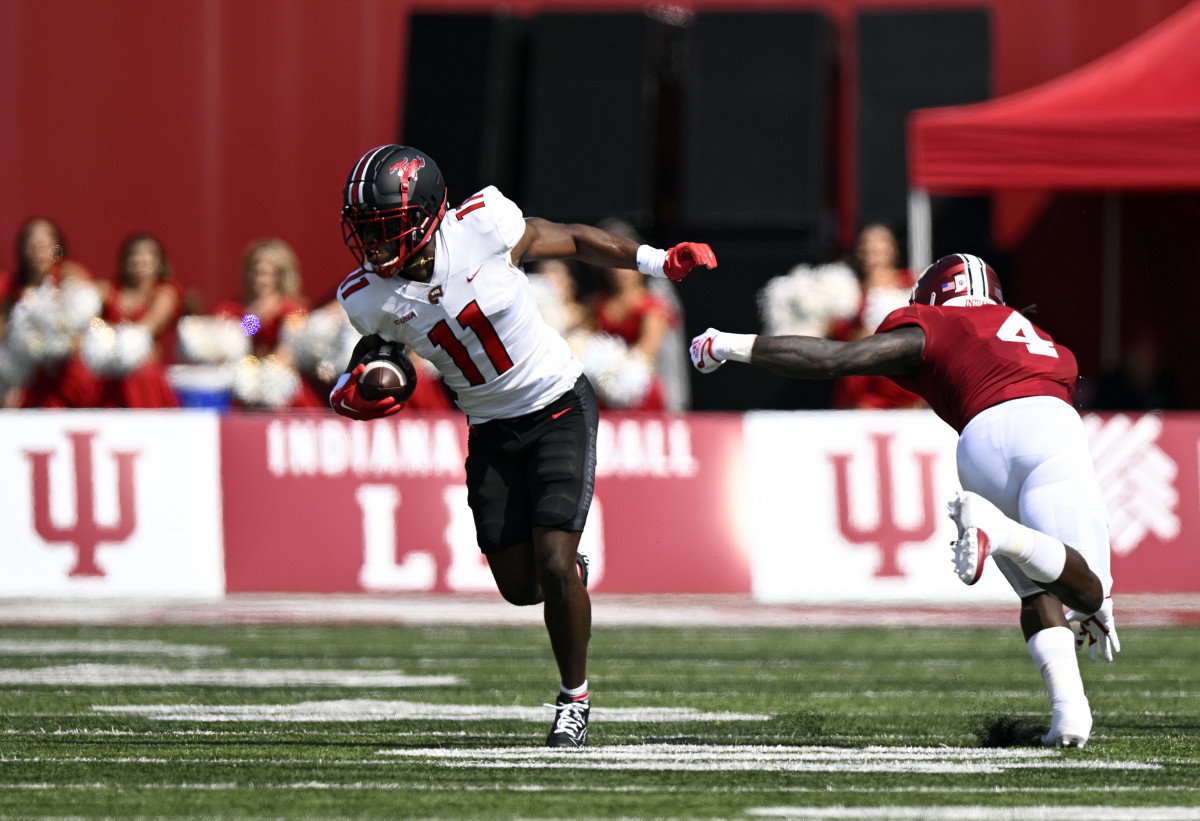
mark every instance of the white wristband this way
{"type": "Point", "coordinates": [650, 260]}
{"type": "Point", "coordinates": [733, 347]}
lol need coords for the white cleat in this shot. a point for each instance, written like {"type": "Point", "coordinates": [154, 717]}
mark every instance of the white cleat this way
{"type": "Point", "coordinates": [1072, 732]}
{"type": "Point", "coordinates": [973, 545]}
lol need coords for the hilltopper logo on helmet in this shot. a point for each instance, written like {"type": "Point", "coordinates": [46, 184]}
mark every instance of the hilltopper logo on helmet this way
{"type": "Point", "coordinates": [407, 170]}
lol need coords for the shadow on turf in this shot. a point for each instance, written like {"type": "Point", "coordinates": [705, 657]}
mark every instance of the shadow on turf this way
{"type": "Point", "coordinates": [1006, 731]}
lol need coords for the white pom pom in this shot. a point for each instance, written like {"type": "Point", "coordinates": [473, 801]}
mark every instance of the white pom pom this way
{"type": "Point", "coordinates": [321, 344]}
{"type": "Point", "coordinates": [264, 382]}
{"type": "Point", "coordinates": [135, 344]}
{"type": "Point", "coordinates": [98, 348]}
{"type": "Point", "coordinates": [805, 300]}
{"type": "Point", "coordinates": [621, 376]}
{"type": "Point", "coordinates": [212, 340]}
{"type": "Point", "coordinates": [37, 329]}
{"type": "Point", "coordinates": [277, 384]}
{"type": "Point", "coordinates": [245, 380]}
{"type": "Point", "coordinates": [79, 304]}
{"type": "Point", "coordinates": [880, 302]}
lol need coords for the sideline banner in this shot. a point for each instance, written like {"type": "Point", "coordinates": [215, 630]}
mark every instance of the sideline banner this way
{"type": "Point", "coordinates": [851, 506]}
{"type": "Point", "coordinates": [314, 502]}
{"type": "Point", "coordinates": [110, 503]}
{"type": "Point", "coordinates": [1148, 466]}
{"type": "Point", "coordinates": [807, 506]}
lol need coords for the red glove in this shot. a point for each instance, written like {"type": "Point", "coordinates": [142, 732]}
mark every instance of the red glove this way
{"type": "Point", "coordinates": [685, 256]}
{"type": "Point", "coordinates": [347, 401]}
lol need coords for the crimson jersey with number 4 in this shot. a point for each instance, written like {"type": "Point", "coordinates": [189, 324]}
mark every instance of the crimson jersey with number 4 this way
{"type": "Point", "coordinates": [976, 357]}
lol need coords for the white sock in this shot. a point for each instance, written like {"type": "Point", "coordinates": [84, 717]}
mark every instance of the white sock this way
{"type": "Point", "coordinates": [580, 693]}
{"type": "Point", "coordinates": [1041, 556]}
{"type": "Point", "coordinates": [1053, 651]}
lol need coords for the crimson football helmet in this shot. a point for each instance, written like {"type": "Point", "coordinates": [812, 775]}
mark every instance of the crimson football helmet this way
{"type": "Point", "coordinates": [394, 199]}
{"type": "Point", "coordinates": [958, 279]}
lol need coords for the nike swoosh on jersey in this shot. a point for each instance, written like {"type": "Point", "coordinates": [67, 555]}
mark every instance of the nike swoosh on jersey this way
{"type": "Point", "coordinates": [472, 276]}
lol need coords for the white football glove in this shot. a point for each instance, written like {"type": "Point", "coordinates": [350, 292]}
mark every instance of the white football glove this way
{"type": "Point", "coordinates": [702, 352]}
{"type": "Point", "coordinates": [1098, 630]}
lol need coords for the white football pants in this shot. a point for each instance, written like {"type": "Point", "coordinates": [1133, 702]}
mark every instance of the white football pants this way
{"type": "Point", "coordinates": [1030, 458]}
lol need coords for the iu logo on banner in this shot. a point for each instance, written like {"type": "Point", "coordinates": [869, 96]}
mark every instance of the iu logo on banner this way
{"type": "Point", "coordinates": [85, 534]}
{"type": "Point", "coordinates": [103, 503]}
{"type": "Point", "coordinates": [887, 535]}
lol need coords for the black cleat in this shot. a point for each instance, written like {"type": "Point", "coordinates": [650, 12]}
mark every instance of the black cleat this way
{"type": "Point", "coordinates": [581, 564]}
{"type": "Point", "coordinates": [571, 724]}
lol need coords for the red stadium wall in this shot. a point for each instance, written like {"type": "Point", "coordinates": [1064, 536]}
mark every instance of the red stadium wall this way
{"type": "Point", "coordinates": [213, 123]}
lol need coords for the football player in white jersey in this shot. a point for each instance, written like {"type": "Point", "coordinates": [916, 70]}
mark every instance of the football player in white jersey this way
{"type": "Point", "coordinates": [449, 283]}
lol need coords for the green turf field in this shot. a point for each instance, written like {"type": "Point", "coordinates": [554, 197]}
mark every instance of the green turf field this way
{"type": "Point", "coordinates": [403, 722]}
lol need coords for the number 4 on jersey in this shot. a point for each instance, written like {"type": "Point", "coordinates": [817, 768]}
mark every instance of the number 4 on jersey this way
{"type": "Point", "coordinates": [1019, 329]}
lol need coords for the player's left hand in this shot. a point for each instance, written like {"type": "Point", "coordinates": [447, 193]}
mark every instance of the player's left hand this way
{"type": "Point", "coordinates": [1098, 630]}
{"type": "Point", "coordinates": [685, 256]}
{"type": "Point", "coordinates": [702, 352]}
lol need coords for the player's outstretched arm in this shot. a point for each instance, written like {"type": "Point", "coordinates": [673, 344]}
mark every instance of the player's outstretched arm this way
{"type": "Point", "coordinates": [892, 353]}
{"type": "Point", "coordinates": [552, 240]}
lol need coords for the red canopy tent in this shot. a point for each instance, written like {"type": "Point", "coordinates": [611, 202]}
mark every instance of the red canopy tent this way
{"type": "Point", "coordinates": [1127, 121]}
{"type": "Point", "coordinates": [1130, 120]}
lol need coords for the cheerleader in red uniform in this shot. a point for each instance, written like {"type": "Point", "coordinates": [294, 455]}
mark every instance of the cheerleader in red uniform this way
{"type": "Point", "coordinates": [271, 302]}
{"type": "Point", "coordinates": [53, 283]}
{"type": "Point", "coordinates": [624, 307]}
{"type": "Point", "coordinates": [140, 308]}
{"type": "Point", "coordinates": [885, 287]}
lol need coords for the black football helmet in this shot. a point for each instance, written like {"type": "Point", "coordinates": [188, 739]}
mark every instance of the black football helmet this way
{"type": "Point", "coordinates": [958, 279]}
{"type": "Point", "coordinates": [394, 199]}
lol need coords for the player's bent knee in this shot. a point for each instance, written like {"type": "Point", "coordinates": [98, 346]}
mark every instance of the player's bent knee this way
{"type": "Point", "coordinates": [522, 596]}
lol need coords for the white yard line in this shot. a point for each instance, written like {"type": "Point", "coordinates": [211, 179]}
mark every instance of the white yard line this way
{"type": "Point", "coordinates": [127, 675]}
{"type": "Point", "coordinates": [612, 610]}
{"type": "Point", "coordinates": [378, 710]}
{"type": "Point", "coordinates": [978, 813]}
{"type": "Point", "coordinates": [706, 789]}
{"type": "Point", "coordinates": [693, 758]}
{"type": "Point", "coordinates": [12, 647]}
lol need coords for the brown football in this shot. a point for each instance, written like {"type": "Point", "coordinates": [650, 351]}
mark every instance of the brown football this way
{"type": "Point", "coordinates": [388, 373]}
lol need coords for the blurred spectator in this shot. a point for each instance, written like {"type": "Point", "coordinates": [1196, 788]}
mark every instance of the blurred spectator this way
{"type": "Point", "coordinates": [636, 357]}
{"type": "Point", "coordinates": [1141, 382]}
{"type": "Point", "coordinates": [885, 286]}
{"type": "Point", "coordinates": [270, 305]}
{"type": "Point", "coordinates": [556, 289]}
{"type": "Point", "coordinates": [123, 346]}
{"type": "Point", "coordinates": [48, 303]}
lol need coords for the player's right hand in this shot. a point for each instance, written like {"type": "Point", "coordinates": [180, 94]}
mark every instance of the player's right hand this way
{"type": "Point", "coordinates": [1098, 630]}
{"type": "Point", "coordinates": [702, 352]}
{"type": "Point", "coordinates": [347, 401]}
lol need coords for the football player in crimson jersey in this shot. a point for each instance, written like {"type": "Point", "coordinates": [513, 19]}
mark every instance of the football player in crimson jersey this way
{"type": "Point", "coordinates": [449, 283]}
{"type": "Point", "coordinates": [1030, 497]}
